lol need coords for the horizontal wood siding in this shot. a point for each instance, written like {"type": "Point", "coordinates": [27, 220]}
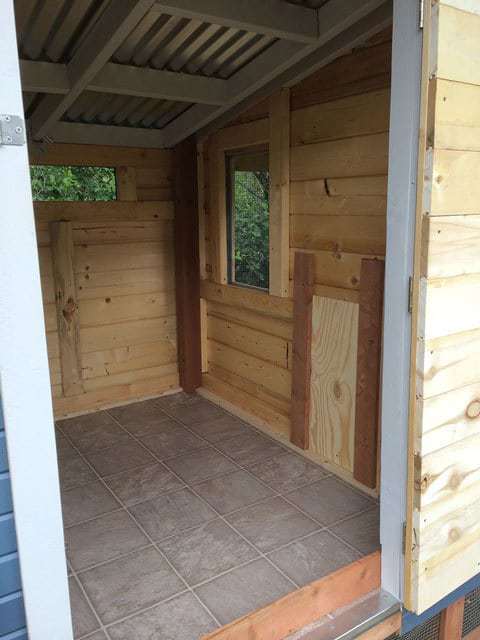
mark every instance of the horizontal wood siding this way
{"type": "Point", "coordinates": [338, 165]}
{"type": "Point", "coordinates": [123, 270]}
{"type": "Point", "coordinates": [444, 532]}
{"type": "Point", "coordinates": [12, 612]}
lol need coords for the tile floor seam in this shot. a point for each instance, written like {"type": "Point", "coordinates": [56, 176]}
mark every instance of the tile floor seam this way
{"type": "Point", "coordinates": [235, 530]}
{"type": "Point", "coordinates": [247, 470]}
{"type": "Point", "coordinates": [148, 538]}
{"type": "Point", "coordinates": [90, 604]}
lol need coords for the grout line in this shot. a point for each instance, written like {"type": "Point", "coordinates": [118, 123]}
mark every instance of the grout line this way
{"type": "Point", "coordinates": [148, 538]}
{"type": "Point", "coordinates": [211, 445]}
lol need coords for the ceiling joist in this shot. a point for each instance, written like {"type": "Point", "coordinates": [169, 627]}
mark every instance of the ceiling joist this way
{"type": "Point", "coordinates": [274, 63]}
{"type": "Point", "coordinates": [270, 17]}
{"type": "Point", "coordinates": [119, 79]}
{"type": "Point", "coordinates": [114, 25]}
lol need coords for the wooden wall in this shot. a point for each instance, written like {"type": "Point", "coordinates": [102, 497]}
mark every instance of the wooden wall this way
{"type": "Point", "coordinates": [336, 168]}
{"type": "Point", "coordinates": [122, 266]}
{"type": "Point", "coordinates": [443, 533]}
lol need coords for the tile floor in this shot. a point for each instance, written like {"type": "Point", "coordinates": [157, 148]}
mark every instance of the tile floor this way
{"type": "Point", "coordinates": [179, 518]}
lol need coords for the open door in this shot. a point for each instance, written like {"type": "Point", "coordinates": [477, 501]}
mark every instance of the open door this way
{"type": "Point", "coordinates": [443, 515]}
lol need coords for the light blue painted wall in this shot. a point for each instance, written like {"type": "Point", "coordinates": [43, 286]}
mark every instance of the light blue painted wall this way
{"type": "Point", "coordinates": [12, 612]}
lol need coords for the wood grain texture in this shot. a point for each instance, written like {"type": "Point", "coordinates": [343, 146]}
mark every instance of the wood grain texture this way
{"type": "Point", "coordinates": [451, 621]}
{"type": "Point", "coordinates": [68, 324]}
{"type": "Point", "coordinates": [303, 279]}
{"type": "Point", "coordinates": [367, 402]}
{"type": "Point", "coordinates": [187, 266]}
{"type": "Point", "coordinates": [279, 170]}
{"type": "Point", "coordinates": [306, 605]}
{"type": "Point", "coordinates": [126, 183]}
{"type": "Point", "coordinates": [333, 380]}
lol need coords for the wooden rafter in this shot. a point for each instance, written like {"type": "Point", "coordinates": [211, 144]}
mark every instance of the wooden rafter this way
{"type": "Point", "coordinates": [271, 17]}
{"type": "Point", "coordinates": [116, 22]}
{"type": "Point", "coordinates": [348, 24]}
{"type": "Point", "coordinates": [49, 77]}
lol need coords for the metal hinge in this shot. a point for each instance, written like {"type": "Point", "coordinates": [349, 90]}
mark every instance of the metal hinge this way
{"type": "Point", "coordinates": [404, 538]}
{"type": "Point", "coordinates": [410, 294]}
{"type": "Point", "coordinates": [422, 14]}
{"type": "Point", "coordinates": [12, 131]}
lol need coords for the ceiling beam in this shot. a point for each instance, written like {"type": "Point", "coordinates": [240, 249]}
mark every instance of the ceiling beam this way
{"type": "Point", "coordinates": [274, 63]}
{"type": "Point", "coordinates": [119, 79]}
{"type": "Point", "coordinates": [44, 77]}
{"type": "Point", "coordinates": [80, 133]}
{"type": "Point", "coordinates": [111, 29]}
{"type": "Point", "coordinates": [274, 18]}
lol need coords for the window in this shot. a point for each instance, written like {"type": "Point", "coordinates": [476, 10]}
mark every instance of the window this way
{"type": "Point", "coordinates": [248, 213]}
{"type": "Point", "coordinates": [73, 183]}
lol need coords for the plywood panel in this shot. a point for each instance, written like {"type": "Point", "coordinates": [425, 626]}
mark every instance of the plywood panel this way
{"type": "Point", "coordinates": [333, 380]}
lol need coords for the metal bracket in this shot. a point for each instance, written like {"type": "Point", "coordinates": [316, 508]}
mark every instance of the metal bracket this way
{"type": "Point", "coordinates": [421, 18]}
{"type": "Point", "coordinates": [12, 131]}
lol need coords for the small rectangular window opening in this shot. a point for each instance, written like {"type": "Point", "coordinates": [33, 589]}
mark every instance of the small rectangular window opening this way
{"type": "Point", "coordinates": [77, 184]}
{"type": "Point", "coordinates": [248, 186]}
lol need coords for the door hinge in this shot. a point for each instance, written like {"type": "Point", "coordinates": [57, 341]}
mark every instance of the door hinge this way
{"type": "Point", "coordinates": [404, 538]}
{"type": "Point", "coordinates": [12, 130]}
{"type": "Point", "coordinates": [410, 294]}
{"type": "Point", "coordinates": [421, 17]}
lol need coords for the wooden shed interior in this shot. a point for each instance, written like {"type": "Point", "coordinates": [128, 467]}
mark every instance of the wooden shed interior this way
{"type": "Point", "coordinates": [156, 350]}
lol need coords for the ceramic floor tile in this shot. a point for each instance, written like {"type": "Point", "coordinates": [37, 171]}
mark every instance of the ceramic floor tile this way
{"type": "Point", "coordinates": [249, 449]}
{"type": "Point", "coordinates": [182, 618]}
{"type": "Point", "coordinates": [200, 465]}
{"type": "Point", "coordinates": [287, 472]}
{"type": "Point", "coordinates": [243, 590]}
{"type": "Point", "coordinates": [362, 532]}
{"type": "Point", "coordinates": [271, 523]}
{"type": "Point", "coordinates": [138, 415]}
{"type": "Point", "coordinates": [232, 491]}
{"type": "Point", "coordinates": [172, 441]}
{"type": "Point", "coordinates": [145, 483]}
{"type": "Point", "coordinates": [74, 471]}
{"type": "Point", "coordinates": [102, 539]}
{"type": "Point", "coordinates": [93, 432]}
{"type": "Point", "coordinates": [329, 500]}
{"type": "Point", "coordinates": [64, 448]}
{"type": "Point", "coordinates": [178, 399]}
{"type": "Point", "coordinates": [129, 584]}
{"type": "Point", "coordinates": [172, 513]}
{"type": "Point", "coordinates": [312, 558]}
{"type": "Point", "coordinates": [198, 410]}
{"type": "Point", "coordinates": [202, 553]}
{"type": "Point", "coordinates": [98, 635]}
{"type": "Point", "coordinates": [142, 429]}
{"type": "Point", "coordinates": [121, 457]}
{"type": "Point", "coordinates": [85, 502]}
{"type": "Point", "coordinates": [83, 618]}
{"type": "Point", "coordinates": [225, 426]}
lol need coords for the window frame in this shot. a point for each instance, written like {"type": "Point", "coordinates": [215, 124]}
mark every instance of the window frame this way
{"type": "Point", "coordinates": [230, 157]}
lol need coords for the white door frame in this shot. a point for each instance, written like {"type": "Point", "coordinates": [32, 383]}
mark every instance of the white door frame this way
{"type": "Point", "coordinates": [401, 213]}
{"type": "Point", "coordinates": [25, 380]}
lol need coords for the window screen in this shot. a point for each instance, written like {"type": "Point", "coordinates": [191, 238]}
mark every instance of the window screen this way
{"type": "Point", "coordinates": [248, 212]}
{"type": "Point", "coordinates": [73, 183]}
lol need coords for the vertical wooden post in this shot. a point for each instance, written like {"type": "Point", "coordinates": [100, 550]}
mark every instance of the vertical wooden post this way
{"type": "Point", "coordinates": [61, 239]}
{"type": "Point", "coordinates": [303, 280]}
{"type": "Point", "coordinates": [187, 267]}
{"type": "Point", "coordinates": [370, 319]}
{"type": "Point", "coordinates": [451, 621]}
{"type": "Point", "coordinates": [279, 167]}
{"type": "Point", "coordinates": [126, 183]}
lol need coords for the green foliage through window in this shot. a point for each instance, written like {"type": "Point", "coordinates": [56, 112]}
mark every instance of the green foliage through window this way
{"type": "Point", "coordinates": [73, 183]}
{"type": "Point", "coordinates": [249, 223]}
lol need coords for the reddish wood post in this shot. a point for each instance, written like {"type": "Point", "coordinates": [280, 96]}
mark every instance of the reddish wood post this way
{"type": "Point", "coordinates": [303, 280]}
{"type": "Point", "coordinates": [451, 621]}
{"type": "Point", "coordinates": [187, 265]}
{"type": "Point", "coordinates": [367, 409]}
